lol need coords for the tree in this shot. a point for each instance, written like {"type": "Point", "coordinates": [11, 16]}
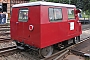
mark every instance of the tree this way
{"type": "Point", "coordinates": [80, 4]}
{"type": "Point", "coordinates": [33, 0]}
{"type": "Point", "coordinates": [86, 4]}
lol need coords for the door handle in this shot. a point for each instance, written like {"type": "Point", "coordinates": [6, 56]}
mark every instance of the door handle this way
{"type": "Point", "coordinates": [17, 22]}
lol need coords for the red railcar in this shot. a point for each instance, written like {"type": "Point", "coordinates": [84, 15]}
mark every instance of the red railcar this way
{"type": "Point", "coordinates": [43, 24]}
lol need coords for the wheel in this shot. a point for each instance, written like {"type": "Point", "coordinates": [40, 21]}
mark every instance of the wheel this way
{"type": "Point", "coordinates": [46, 52]}
{"type": "Point", "coordinates": [77, 39]}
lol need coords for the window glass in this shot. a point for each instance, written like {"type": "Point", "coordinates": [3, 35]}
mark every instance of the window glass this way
{"type": "Point", "coordinates": [23, 15]}
{"type": "Point", "coordinates": [55, 14]}
{"type": "Point", "coordinates": [51, 16]}
{"type": "Point", "coordinates": [71, 14]}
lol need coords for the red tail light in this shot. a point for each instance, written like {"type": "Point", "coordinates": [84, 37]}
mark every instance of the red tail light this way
{"type": "Point", "coordinates": [31, 27]}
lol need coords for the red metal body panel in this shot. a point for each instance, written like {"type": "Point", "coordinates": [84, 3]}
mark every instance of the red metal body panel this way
{"type": "Point", "coordinates": [45, 33]}
{"type": "Point", "coordinates": [20, 30]}
{"type": "Point", "coordinates": [54, 32]}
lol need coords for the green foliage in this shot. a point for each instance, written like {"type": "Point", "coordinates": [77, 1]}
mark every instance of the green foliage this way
{"type": "Point", "coordinates": [86, 5]}
{"type": "Point", "coordinates": [80, 4]}
{"type": "Point", "coordinates": [33, 0]}
{"type": "Point", "coordinates": [87, 12]}
{"type": "Point", "coordinates": [59, 1]}
{"type": "Point", "coordinates": [53, 1]}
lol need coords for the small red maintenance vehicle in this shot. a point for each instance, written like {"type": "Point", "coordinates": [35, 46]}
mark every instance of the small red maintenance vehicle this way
{"type": "Point", "coordinates": [42, 25]}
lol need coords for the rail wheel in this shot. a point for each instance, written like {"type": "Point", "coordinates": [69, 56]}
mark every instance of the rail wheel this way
{"type": "Point", "coordinates": [77, 39]}
{"type": "Point", "coordinates": [46, 52]}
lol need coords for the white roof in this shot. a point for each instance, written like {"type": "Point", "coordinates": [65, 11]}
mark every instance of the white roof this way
{"type": "Point", "coordinates": [43, 3]}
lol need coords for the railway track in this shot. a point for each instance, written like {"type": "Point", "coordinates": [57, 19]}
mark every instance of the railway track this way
{"type": "Point", "coordinates": [61, 55]}
{"type": "Point", "coordinates": [85, 27]}
{"type": "Point", "coordinates": [6, 44]}
{"type": "Point", "coordinates": [8, 50]}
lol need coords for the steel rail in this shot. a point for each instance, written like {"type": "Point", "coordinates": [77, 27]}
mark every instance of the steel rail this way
{"type": "Point", "coordinates": [4, 26]}
{"type": "Point", "coordinates": [59, 55]}
{"type": "Point", "coordinates": [6, 44]}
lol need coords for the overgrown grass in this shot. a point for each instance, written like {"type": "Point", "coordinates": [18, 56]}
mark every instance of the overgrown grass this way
{"type": "Point", "coordinates": [86, 16]}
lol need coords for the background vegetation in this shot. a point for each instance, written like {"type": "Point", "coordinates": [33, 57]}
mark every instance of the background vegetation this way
{"type": "Point", "coordinates": [84, 5]}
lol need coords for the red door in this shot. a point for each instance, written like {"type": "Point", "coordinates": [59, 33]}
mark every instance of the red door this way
{"type": "Point", "coordinates": [22, 24]}
{"type": "Point", "coordinates": [71, 22]}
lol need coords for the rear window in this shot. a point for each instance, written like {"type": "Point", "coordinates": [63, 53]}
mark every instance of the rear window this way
{"type": "Point", "coordinates": [55, 14]}
{"type": "Point", "coordinates": [71, 14]}
{"type": "Point", "coordinates": [23, 15]}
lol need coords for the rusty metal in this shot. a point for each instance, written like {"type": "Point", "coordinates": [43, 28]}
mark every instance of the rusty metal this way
{"type": "Point", "coordinates": [4, 29]}
{"type": "Point", "coordinates": [5, 33]}
{"type": "Point", "coordinates": [6, 44]}
{"type": "Point", "coordinates": [71, 49]}
{"type": "Point", "coordinates": [82, 48]}
{"type": "Point", "coordinates": [3, 51]}
{"type": "Point", "coordinates": [62, 55]}
{"type": "Point", "coordinates": [4, 26]}
{"type": "Point", "coordinates": [4, 39]}
{"type": "Point", "coordinates": [59, 55]}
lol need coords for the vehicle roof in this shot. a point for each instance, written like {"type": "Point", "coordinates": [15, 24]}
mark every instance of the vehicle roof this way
{"type": "Point", "coordinates": [43, 3]}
